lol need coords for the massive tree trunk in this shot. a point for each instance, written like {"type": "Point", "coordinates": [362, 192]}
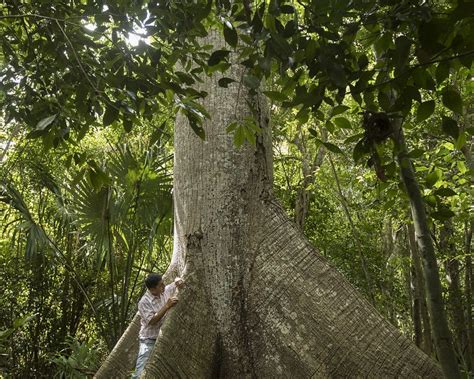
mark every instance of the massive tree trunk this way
{"type": "Point", "coordinates": [260, 302]}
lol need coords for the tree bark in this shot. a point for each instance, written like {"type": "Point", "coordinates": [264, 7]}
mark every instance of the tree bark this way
{"type": "Point", "coordinates": [468, 229]}
{"type": "Point", "coordinates": [309, 169]}
{"type": "Point", "coordinates": [260, 302]}
{"type": "Point", "coordinates": [455, 302]}
{"type": "Point", "coordinates": [469, 289]}
{"type": "Point", "coordinates": [122, 358]}
{"type": "Point", "coordinates": [439, 324]}
{"type": "Point", "coordinates": [421, 319]}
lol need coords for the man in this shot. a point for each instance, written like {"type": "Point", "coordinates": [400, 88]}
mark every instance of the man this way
{"type": "Point", "coordinates": [152, 308]}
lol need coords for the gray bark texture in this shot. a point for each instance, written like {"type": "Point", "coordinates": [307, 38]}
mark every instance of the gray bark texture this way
{"type": "Point", "coordinates": [259, 301]}
{"type": "Point", "coordinates": [455, 299]}
{"type": "Point", "coordinates": [421, 319]}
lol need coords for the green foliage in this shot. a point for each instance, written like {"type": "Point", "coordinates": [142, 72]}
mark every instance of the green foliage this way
{"type": "Point", "coordinates": [78, 360]}
{"type": "Point", "coordinates": [92, 220]}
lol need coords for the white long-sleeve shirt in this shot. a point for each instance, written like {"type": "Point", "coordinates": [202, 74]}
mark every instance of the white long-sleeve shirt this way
{"type": "Point", "coordinates": [148, 306]}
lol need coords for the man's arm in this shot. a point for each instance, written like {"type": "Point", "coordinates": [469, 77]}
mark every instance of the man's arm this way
{"type": "Point", "coordinates": [160, 314]}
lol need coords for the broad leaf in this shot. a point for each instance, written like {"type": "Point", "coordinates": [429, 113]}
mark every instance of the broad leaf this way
{"type": "Point", "coordinates": [111, 114]}
{"type": "Point", "coordinates": [224, 82]}
{"type": "Point", "coordinates": [217, 56]}
{"type": "Point", "coordinates": [45, 122]}
{"type": "Point", "coordinates": [342, 122]}
{"type": "Point", "coordinates": [450, 127]}
{"type": "Point", "coordinates": [442, 72]}
{"type": "Point", "coordinates": [275, 95]}
{"type": "Point", "coordinates": [445, 192]}
{"type": "Point", "coordinates": [443, 214]}
{"type": "Point", "coordinates": [425, 110]}
{"type": "Point", "coordinates": [361, 148]}
{"type": "Point", "coordinates": [230, 35]}
{"type": "Point", "coordinates": [332, 147]}
{"type": "Point", "coordinates": [452, 100]}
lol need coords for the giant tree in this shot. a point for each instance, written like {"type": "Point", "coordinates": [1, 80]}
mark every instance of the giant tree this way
{"type": "Point", "coordinates": [260, 300]}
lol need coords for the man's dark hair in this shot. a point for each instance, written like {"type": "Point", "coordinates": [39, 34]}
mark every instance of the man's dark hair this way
{"type": "Point", "coordinates": [152, 280]}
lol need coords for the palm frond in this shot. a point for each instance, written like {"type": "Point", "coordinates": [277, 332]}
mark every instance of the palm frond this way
{"type": "Point", "coordinates": [36, 240]}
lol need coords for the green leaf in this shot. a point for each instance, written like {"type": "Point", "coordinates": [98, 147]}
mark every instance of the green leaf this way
{"type": "Point", "coordinates": [111, 114]}
{"type": "Point", "coordinates": [230, 35]}
{"type": "Point", "coordinates": [217, 56]}
{"type": "Point", "coordinates": [275, 95]}
{"type": "Point", "coordinates": [363, 61]}
{"type": "Point", "coordinates": [460, 141]}
{"type": "Point", "coordinates": [232, 126]}
{"type": "Point", "coordinates": [361, 148]}
{"type": "Point", "coordinates": [384, 100]}
{"type": "Point", "coordinates": [333, 148]}
{"type": "Point", "coordinates": [45, 122]}
{"type": "Point", "coordinates": [461, 167]}
{"type": "Point", "coordinates": [303, 115]}
{"type": "Point", "coordinates": [313, 132]}
{"type": "Point", "coordinates": [127, 124]}
{"type": "Point", "coordinates": [342, 122]}
{"type": "Point", "coordinates": [431, 200]}
{"type": "Point", "coordinates": [442, 72]}
{"type": "Point", "coordinates": [402, 51]}
{"type": "Point", "coordinates": [425, 110]}
{"type": "Point", "coordinates": [445, 192]}
{"type": "Point", "coordinates": [251, 81]}
{"type": "Point", "coordinates": [98, 177]}
{"type": "Point", "coordinates": [452, 100]}
{"type": "Point", "coordinates": [450, 127]}
{"type": "Point", "coordinates": [221, 66]}
{"type": "Point", "coordinates": [433, 177]}
{"type": "Point", "coordinates": [443, 214]}
{"type": "Point", "coordinates": [416, 153]}
{"type": "Point", "coordinates": [198, 129]}
{"type": "Point", "coordinates": [287, 9]}
{"type": "Point", "coordinates": [338, 109]}
{"type": "Point", "coordinates": [330, 126]}
{"type": "Point", "coordinates": [353, 138]}
{"type": "Point", "coordinates": [224, 82]}
{"type": "Point", "coordinates": [239, 136]}
{"type": "Point", "coordinates": [382, 44]}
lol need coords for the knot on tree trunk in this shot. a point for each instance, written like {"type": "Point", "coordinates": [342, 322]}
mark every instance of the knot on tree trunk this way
{"type": "Point", "coordinates": [193, 240]}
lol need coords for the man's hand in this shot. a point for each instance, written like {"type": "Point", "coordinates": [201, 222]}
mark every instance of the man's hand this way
{"type": "Point", "coordinates": [172, 301]}
{"type": "Point", "coordinates": [179, 283]}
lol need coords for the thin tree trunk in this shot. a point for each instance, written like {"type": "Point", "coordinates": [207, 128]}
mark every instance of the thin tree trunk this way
{"type": "Point", "coordinates": [390, 249]}
{"type": "Point", "coordinates": [455, 303]}
{"type": "Point", "coordinates": [468, 229]}
{"type": "Point", "coordinates": [421, 318]}
{"type": "Point", "coordinates": [439, 324]}
{"type": "Point", "coordinates": [403, 250]}
{"type": "Point", "coordinates": [469, 289]}
{"type": "Point", "coordinates": [309, 169]}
